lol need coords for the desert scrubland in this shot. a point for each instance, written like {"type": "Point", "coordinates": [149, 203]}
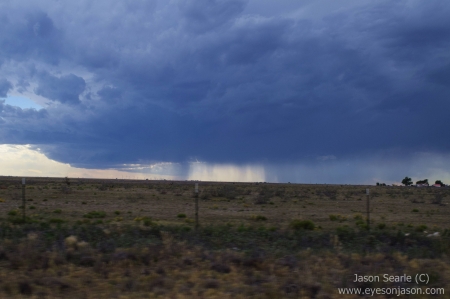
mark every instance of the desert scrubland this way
{"type": "Point", "coordinates": [85, 238]}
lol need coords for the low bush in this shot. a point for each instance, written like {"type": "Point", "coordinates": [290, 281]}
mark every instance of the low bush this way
{"type": "Point", "coordinates": [148, 222]}
{"type": "Point", "coordinates": [297, 224]}
{"type": "Point", "coordinates": [421, 228]}
{"type": "Point", "coordinates": [95, 214]}
{"type": "Point", "coordinates": [381, 226]}
{"type": "Point", "coordinates": [357, 217]}
{"type": "Point", "coordinates": [56, 220]}
{"type": "Point", "coordinates": [259, 218]}
{"type": "Point", "coordinates": [12, 213]}
{"type": "Point", "coordinates": [19, 220]}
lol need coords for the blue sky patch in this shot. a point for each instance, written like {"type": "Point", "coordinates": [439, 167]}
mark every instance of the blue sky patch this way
{"type": "Point", "coordinates": [22, 102]}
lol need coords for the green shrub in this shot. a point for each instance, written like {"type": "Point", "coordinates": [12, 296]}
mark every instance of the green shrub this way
{"type": "Point", "coordinates": [56, 220]}
{"type": "Point", "coordinates": [362, 224]}
{"type": "Point", "coordinates": [32, 207]}
{"type": "Point", "coordinates": [297, 224]}
{"type": "Point", "coordinates": [381, 226]}
{"type": "Point", "coordinates": [57, 211]}
{"type": "Point", "coordinates": [345, 233]}
{"type": "Point", "coordinates": [241, 228]}
{"type": "Point", "coordinates": [12, 213]}
{"type": "Point", "coordinates": [117, 212]}
{"type": "Point", "coordinates": [421, 228]}
{"type": "Point", "coordinates": [181, 215]}
{"type": "Point", "coordinates": [338, 218]}
{"type": "Point", "coordinates": [259, 218]}
{"type": "Point", "coordinates": [358, 217]}
{"type": "Point", "coordinates": [19, 220]}
{"type": "Point", "coordinates": [415, 210]}
{"type": "Point", "coordinates": [95, 214]}
{"type": "Point", "coordinates": [148, 221]}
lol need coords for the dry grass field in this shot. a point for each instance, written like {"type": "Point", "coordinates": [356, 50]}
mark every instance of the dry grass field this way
{"type": "Point", "coordinates": [137, 239]}
{"type": "Point", "coordinates": [326, 205]}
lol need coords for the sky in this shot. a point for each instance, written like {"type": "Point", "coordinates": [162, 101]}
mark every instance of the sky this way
{"type": "Point", "coordinates": [313, 91]}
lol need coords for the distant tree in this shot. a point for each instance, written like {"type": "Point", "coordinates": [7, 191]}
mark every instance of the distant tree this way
{"type": "Point", "coordinates": [378, 184]}
{"type": "Point", "coordinates": [439, 182]}
{"type": "Point", "coordinates": [407, 181]}
{"type": "Point", "coordinates": [422, 182]}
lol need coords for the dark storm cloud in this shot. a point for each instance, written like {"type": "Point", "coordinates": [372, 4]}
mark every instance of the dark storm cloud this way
{"type": "Point", "coordinates": [5, 86]}
{"type": "Point", "coordinates": [21, 126]}
{"type": "Point", "coordinates": [109, 93]}
{"type": "Point", "coordinates": [8, 111]}
{"type": "Point", "coordinates": [183, 80]}
{"type": "Point", "coordinates": [28, 34]}
{"type": "Point", "coordinates": [205, 15]}
{"type": "Point", "coordinates": [441, 75]}
{"type": "Point", "coordinates": [64, 89]}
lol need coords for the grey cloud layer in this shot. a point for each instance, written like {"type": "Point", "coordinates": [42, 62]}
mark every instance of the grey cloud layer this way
{"type": "Point", "coordinates": [64, 89]}
{"type": "Point", "coordinates": [179, 80]}
{"type": "Point", "coordinates": [5, 86]}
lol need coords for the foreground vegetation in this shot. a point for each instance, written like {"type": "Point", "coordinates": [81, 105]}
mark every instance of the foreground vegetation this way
{"type": "Point", "coordinates": [43, 260]}
{"type": "Point", "coordinates": [110, 239]}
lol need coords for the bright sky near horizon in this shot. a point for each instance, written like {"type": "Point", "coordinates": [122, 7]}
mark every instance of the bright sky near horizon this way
{"type": "Point", "coordinates": [323, 91]}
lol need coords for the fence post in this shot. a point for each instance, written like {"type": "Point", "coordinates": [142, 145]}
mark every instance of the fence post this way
{"type": "Point", "coordinates": [368, 209]}
{"type": "Point", "coordinates": [196, 206]}
{"type": "Point", "coordinates": [23, 199]}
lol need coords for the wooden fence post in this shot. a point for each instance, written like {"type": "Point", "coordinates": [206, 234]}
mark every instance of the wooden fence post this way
{"type": "Point", "coordinates": [23, 199]}
{"type": "Point", "coordinates": [196, 206]}
{"type": "Point", "coordinates": [368, 209]}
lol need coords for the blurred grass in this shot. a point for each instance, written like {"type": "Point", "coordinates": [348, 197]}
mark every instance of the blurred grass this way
{"type": "Point", "coordinates": [225, 261]}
